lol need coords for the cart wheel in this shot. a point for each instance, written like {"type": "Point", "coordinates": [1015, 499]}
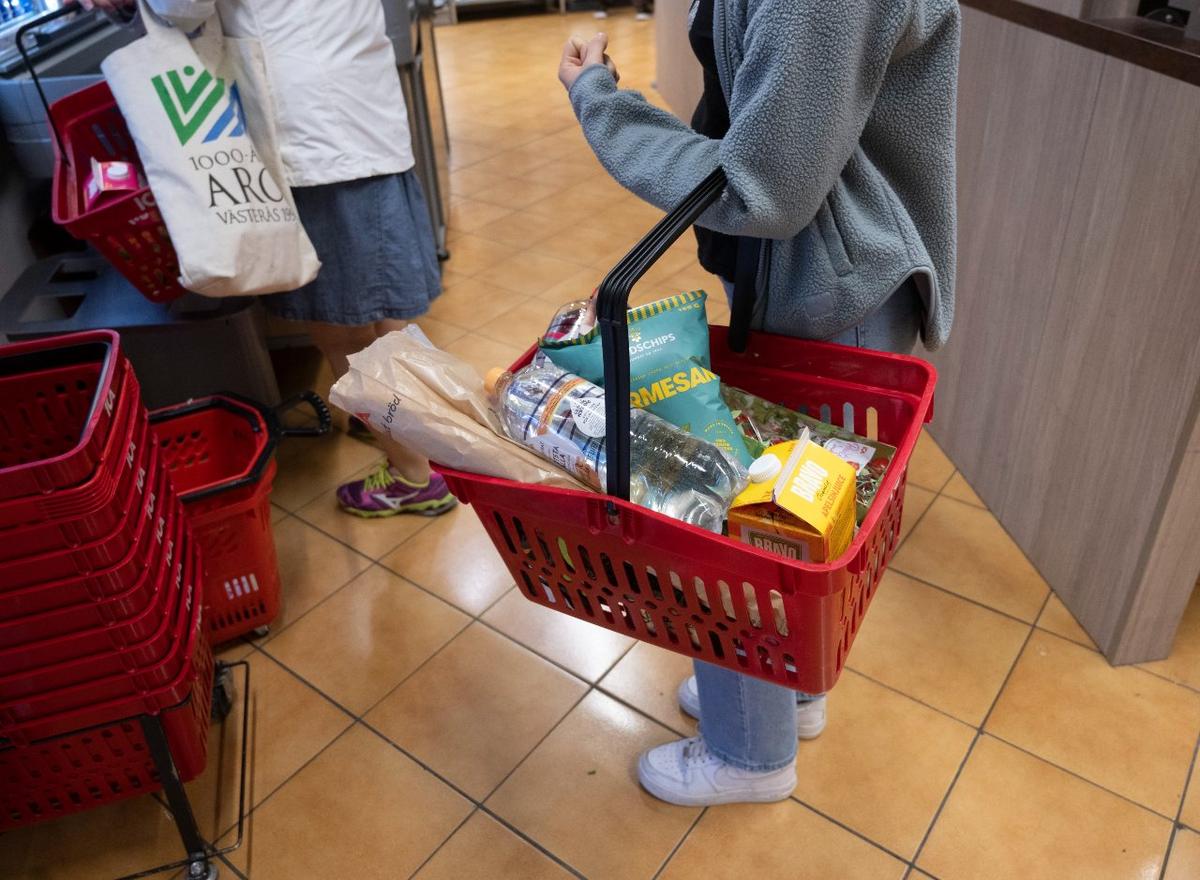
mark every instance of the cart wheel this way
{"type": "Point", "coordinates": [261, 632]}
{"type": "Point", "coordinates": [197, 871]}
{"type": "Point", "coordinates": [222, 695]}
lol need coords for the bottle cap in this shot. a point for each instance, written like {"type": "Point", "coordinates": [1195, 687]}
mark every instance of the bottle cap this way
{"type": "Point", "coordinates": [765, 468]}
{"type": "Point", "coordinates": [492, 379]}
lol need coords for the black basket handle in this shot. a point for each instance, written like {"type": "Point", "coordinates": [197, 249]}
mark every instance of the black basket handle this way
{"type": "Point", "coordinates": [65, 9]}
{"type": "Point", "coordinates": [612, 303]}
{"type": "Point", "coordinates": [324, 416]}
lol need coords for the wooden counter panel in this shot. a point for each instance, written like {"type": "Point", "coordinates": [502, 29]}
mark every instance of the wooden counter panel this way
{"type": "Point", "coordinates": [1119, 364]}
{"type": "Point", "coordinates": [1074, 358]}
{"type": "Point", "coordinates": [1020, 99]}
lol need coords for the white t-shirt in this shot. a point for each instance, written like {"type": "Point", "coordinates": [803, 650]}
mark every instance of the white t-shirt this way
{"type": "Point", "coordinates": [333, 78]}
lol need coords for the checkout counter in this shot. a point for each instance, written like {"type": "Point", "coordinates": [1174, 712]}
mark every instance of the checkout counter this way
{"type": "Point", "coordinates": [1070, 388]}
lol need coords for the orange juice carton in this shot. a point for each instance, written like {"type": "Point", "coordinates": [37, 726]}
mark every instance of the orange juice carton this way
{"type": "Point", "coordinates": [800, 503]}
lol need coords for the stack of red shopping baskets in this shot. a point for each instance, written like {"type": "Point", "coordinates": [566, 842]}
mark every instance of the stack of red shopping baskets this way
{"type": "Point", "coordinates": [100, 610]}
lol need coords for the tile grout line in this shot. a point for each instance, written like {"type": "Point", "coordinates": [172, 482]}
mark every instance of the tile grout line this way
{"type": "Point", "coordinates": [437, 849]}
{"type": "Point", "coordinates": [415, 670]}
{"type": "Point", "coordinates": [908, 696]}
{"type": "Point", "coordinates": [1183, 684]}
{"type": "Point", "coordinates": [480, 805]}
{"type": "Point", "coordinates": [1136, 667]}
{"type": "Point", "coordinates": [507, 776]}
{"type": "Point", "coordinates": [850, 830]}
{"type": "Point", "coordinates": [359, 719]}
{"type": "Point", "coordinates": [591, 687]}
{"type": "Point", "coordinates": [566, 866]}
{"type": "Point", "coordinates": [971, 748]}
{"type": "Point", "coordinates": [252, 809]}
{"type": "Point", "coordinates": [1075, 774]}
{"type": "Point", "coordinates": [1178, 823]}
{"type": "Point", "coordinates": [1008, 534]}
{"type": "Point", "coordinates": [679, 844]}
{"type": "Point", "coordinates": [597, 687]}
{"type": "Point", "coordinates": [551, 661]}
{"type": "Point", "coordinates": [976, 602]}
{"type": "Point", "coordinates": [682, 734]}
{"type": "Point", "coordinates": [275, 633]}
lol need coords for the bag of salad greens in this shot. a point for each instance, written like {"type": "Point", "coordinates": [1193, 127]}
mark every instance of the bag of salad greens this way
{"type": "Point", "coordinates": [670, 373]}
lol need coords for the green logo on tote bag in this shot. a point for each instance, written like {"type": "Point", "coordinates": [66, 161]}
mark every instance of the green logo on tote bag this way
{"type": "Point", "coordinates": [189, 104]}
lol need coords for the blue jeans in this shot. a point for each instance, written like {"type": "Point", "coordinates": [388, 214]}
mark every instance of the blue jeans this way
{"type": "Point", "coordinates": [748, 722]}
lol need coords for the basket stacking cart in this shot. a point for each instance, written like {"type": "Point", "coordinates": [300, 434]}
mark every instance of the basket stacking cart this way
{"type": "Point", "coordinates": [219, 451]}
{"type": "Point", "coordinates": [606, 561]}
{"type": "Point", "coordinates": [106, 673]}
{"type": "Point", "coordinates": [128, 230]}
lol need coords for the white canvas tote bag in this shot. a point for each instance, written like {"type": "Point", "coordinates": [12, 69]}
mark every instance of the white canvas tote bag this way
{"type": "Point", "coordinates": [199, 109]}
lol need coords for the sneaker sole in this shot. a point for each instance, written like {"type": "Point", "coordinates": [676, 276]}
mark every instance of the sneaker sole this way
{"type": "Point", "coordinates": [740, 796]}
{"type": "Point", "coordinates": [810, 733]}
{"type": "Point", "coordinates": [426, 508]}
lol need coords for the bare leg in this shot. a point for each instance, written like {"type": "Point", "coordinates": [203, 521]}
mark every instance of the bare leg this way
{"type": "Point", "coordinates": [337, 342]}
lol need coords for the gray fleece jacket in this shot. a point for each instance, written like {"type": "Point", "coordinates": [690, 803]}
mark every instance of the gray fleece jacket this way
{"type": "Point", "coordinates": [840, 153]}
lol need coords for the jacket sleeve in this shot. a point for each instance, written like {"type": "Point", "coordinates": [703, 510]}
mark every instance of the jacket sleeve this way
{"type": "Point", "coordinates": [809, 76]}
{"type": "Point", "coordinates": [187, 15]}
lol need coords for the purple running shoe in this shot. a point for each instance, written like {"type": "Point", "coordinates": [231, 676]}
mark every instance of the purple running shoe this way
{"type": "Point", "coordinates": [385, 493]}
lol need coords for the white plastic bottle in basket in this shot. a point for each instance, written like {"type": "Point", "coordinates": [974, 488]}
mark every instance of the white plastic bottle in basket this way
{"type": "Point", "coordinates": [561, 417]}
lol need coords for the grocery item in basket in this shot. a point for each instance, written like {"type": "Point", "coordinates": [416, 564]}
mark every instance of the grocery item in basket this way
{"type": "Point", "coordinates": [561, 417]}
{"type": "Point", "coordinates": [571, 321]}
{"type": "Point", "coordinates": [669, 369]}
{"type": "Point", "coordinates": [432, 402]}
{"type": "Point", "coordinates": [107, 178]}
{"type": "Point", "coordinates": [765, 424]}
{"type": "Point", "coordinates": [799, 504]}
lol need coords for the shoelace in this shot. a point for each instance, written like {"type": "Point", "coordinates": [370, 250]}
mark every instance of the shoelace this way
{"type": "Point", "coordinates": [695, 752]}
{"type": "Point", "coordinates": [380, 478]}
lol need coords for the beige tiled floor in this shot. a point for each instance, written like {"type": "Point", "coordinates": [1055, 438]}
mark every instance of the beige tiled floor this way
{"type": "Point", "coordinates": [413, 716]}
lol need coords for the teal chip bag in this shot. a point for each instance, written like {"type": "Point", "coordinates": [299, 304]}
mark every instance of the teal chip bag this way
{"type": "Point", "coordinates": [670, 373]}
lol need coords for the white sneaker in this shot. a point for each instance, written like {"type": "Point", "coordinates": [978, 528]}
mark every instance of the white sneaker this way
{"type": "Point", "coordinates": [810, 715]}
{"type": "Point", "coordinates": [599, 13]}
{"type": "Point", "coordinates": [686, 773]}
{"type": "Point", "coordinates": [643, 16]}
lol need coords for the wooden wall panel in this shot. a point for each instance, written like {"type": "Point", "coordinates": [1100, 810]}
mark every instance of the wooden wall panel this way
{"type": "Point", "coordinates": [1025, 103]}
{"type": "Point", "coordinates": [1070, 383]}
{"type": "Point", "coordinates": [1119, 365]}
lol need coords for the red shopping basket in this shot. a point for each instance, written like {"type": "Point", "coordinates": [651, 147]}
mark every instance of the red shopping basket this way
{"type": "Point", "coordinates": [58, 402]}
{"type": "Point", "coordinates": [93, 627]}
{"type": "Point", "coordinates": [76, 771]}
{"type": "Point", "coordinates": [218, 451]}
{"type": "Point", "coordinates": [113, 492]}
{"type": "Point", "coordinates": [628, 569]}
{"type": "Point", "coordinates": [105, 699]}
{"type": "Point", "coordinates": [105, 596]}
{"type": "Point", "coordinates": [128, 229]}
{"type": "Point", "coordinates": [58, 662]}
{"type": "Point", "coordinates": [96, 557]}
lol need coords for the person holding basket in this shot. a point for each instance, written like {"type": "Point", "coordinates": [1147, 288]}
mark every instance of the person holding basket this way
{"type": "Point", "coordinates": [348, 157]}
{"type": "Point", "coordinates": [835, 126]}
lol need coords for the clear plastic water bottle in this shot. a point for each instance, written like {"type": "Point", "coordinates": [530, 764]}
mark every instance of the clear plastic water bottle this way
{"type": "Point", "coordinates": [561, 417]}
{"type": "Point", "coordinates": [573, 320]}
